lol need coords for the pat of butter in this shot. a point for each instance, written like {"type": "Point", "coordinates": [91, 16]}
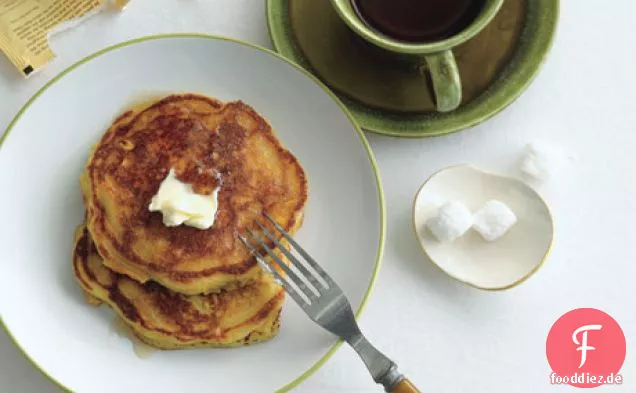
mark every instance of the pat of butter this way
{"type": "Point", "coordinates": [179, 204]}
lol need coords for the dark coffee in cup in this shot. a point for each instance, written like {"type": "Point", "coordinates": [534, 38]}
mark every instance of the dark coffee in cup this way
{"type": "Point", "coordinates": [420, 21]}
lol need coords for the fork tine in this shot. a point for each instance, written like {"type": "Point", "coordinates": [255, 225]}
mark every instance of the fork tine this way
{"type": "Point", "coordinates": [290, 273]}
{"type": "Point", "coordinates": [323, 274]}
{"type": "Point", "coordinates": [279, 278]}
{"type": "Point", "coordinates": [303, 270]}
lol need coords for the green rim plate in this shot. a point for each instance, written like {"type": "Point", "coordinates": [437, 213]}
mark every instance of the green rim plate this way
{"type": "Point", "coordinates": [363, 139]}
{"type": "Point", "coordinates": [534, 44]}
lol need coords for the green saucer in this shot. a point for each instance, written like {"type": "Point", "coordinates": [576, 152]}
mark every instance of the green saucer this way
{"type": "Point", "coordinates": [394, 99]}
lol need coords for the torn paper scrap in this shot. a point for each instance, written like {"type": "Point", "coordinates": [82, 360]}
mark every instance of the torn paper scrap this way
{"type": "Point", "coordinates": [25, 26]}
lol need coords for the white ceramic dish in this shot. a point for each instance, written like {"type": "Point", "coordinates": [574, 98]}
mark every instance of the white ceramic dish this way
{"type": "Point", "coordinates": [40, 161]}
{"type": "Point", "coordinates": [498, 265]}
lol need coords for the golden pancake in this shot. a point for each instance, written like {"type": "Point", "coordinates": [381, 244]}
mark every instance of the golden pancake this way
{"type": "Point", "coordinates": [208, 144]}
{"type": "Point", "coordinates": [167, 320]}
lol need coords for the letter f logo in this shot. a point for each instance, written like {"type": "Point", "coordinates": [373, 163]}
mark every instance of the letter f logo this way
{"type": "Point", "coordinates": [584, 347]}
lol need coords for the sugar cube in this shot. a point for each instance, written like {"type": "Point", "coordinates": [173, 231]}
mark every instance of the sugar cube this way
{"type": "Point", "coordinates": [494, 220]}
{"type": "Point", "coordinates": [540, 161]}
{"type": "Point", "coordinates": [452, 220]}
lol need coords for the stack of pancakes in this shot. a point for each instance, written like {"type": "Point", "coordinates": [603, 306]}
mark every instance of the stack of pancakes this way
{"type": "Point", "coordinates": [180, 286]}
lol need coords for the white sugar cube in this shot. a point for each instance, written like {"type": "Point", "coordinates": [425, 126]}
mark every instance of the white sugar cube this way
{"type": "Point", "coordinates": [452, 220]}
{"type": "Point", "coordinates": [494, 220]}
{"type": "Point", "coordinates": [540, 161]}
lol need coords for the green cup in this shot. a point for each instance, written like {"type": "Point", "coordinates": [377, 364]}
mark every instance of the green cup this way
{"type": "Point", "coordinates": [436, 57]}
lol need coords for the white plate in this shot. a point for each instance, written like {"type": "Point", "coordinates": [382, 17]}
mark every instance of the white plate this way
{"type": "Point", "coordinates": [504, 263]}
{"type": "Point", "coordinates": [40, 205]}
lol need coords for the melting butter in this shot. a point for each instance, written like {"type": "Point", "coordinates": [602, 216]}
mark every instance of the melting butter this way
{"type": "Point", "coordinates": [179, 204]}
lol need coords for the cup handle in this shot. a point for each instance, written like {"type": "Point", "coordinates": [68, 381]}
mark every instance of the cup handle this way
{"type": "Point", "coordinates": [447, 84]}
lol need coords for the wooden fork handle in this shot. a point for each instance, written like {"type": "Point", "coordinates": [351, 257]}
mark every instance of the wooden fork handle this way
{"type": "Point", "coordinates": [405, 386]}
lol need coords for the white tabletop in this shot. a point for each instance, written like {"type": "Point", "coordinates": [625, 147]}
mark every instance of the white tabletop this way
{"type": "Point", "coordinates": [445, 336]}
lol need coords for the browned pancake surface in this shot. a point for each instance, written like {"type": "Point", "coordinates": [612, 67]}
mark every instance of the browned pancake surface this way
{"type": "Point", "coordinates": [208, 144]}
{"type": "Point", "coordinates": [166, 319]}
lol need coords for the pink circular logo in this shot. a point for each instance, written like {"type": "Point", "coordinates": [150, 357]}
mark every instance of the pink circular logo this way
{"type": "Point", "coordinates": [586, 348]}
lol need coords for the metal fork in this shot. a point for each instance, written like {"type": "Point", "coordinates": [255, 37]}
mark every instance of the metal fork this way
{"type": "Point", "coordinates": [323, 301]}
